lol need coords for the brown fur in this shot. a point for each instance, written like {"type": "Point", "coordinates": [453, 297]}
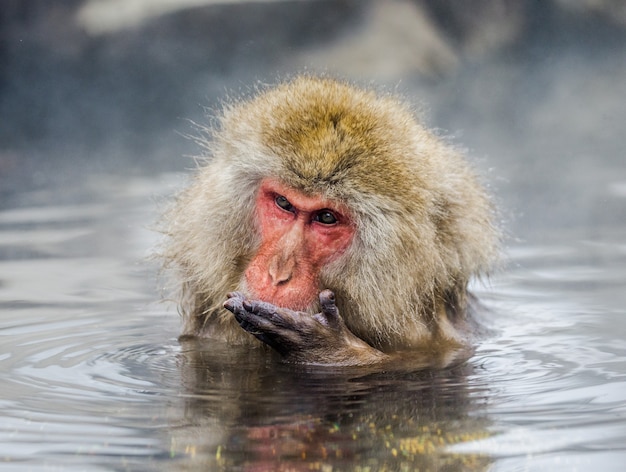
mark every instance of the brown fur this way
{"type": "Point", "coordinates": [423, 223]}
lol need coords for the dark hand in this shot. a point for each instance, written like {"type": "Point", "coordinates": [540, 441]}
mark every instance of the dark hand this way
{"type": "Point", "coordinates": [322, 338]}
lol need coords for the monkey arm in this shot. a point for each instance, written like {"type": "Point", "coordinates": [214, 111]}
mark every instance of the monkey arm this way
{"type": "Point", "coordinates": [299, 337]}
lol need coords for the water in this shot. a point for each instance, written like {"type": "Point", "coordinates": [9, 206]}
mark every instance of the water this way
{"type": "Point", "coordinates": [93, 377]}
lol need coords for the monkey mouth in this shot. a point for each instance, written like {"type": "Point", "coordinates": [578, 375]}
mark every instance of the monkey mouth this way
{"type": "Point", "coordinates": [281, 299]}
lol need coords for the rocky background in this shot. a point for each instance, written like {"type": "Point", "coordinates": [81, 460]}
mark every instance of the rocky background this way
{"type": "Point", "coordinates": [534, 90]}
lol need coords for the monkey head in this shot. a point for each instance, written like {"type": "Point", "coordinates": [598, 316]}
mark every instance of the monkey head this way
{"type": "Point", "coordinates": [316, 185]}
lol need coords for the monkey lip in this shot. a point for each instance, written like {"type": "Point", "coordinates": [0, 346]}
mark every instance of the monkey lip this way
{"type": "Point", "coordinates": [289, 302]}
{"type": "Point", "coordinates": [291, 295]}
{"type": "Point", "coordinates": [284, 298]}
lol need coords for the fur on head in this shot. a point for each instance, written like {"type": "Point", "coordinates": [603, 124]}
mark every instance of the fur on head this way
{"type": "Point", "coordinates": [423, 223]}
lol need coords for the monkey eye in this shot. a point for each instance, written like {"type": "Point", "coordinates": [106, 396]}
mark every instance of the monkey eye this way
{"type": "Point", "coordinates": [283, 203]}
{"type": "Point", "coordinates": [326, 217]}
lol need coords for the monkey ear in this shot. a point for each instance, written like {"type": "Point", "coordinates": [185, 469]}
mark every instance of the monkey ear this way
{"type": "Point", "coordinates": [329, 316]}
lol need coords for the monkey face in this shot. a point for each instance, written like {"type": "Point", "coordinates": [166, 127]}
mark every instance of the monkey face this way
{"type": "Point", "coordinates": [300, 234]}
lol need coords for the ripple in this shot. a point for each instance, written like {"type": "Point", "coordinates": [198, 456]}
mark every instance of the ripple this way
{"type": "Point", "coordinates": [93, 377]}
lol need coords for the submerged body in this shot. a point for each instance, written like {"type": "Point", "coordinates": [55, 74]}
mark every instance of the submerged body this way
{"type": "Point", "coordinates": [343, 231]}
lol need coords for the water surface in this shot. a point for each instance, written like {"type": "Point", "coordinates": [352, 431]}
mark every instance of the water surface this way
{"type": "Point", "coordinates": [93, 377]}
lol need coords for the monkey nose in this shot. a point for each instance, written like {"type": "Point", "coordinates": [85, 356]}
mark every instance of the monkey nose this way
{"type": "Point", "coordinates": [280, 274]}
{"type": "Point", "coordinates": [280, 277]}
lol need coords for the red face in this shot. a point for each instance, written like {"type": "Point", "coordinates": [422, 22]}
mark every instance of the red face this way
{"type": "Point", "coordinates": [299, 235]}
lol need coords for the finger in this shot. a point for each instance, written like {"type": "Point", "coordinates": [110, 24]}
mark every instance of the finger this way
{"type": "Point", "coordinates": [262, 329]}
{"type": "Point", "coordinates": [233, 304]}
{"type": "Point", "coordinates": [329, 309]}
{"type": "Point", "coordinates": [235, 299]}
{"type": "Point", "coordinates": [251, 322]}
{"type": "Point", "coordinates": [279, 317]}
{"type": "Point", "coordinates": [259, 307]}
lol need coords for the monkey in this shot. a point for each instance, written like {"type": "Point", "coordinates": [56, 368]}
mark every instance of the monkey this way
{"type": "Point", "coordinates": [327, 222]}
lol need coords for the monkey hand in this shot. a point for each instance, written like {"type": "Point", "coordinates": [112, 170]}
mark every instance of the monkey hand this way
{"type": "Point", "coordinates": [299, 337]}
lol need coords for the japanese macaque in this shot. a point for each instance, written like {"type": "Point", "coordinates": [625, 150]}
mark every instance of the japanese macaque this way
{"type": "Point", "coordinates": [327, 223]}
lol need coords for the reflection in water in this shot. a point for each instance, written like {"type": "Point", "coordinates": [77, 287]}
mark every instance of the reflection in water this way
{"type": "Point", "coordinates": [93, 377]}
{"type": "Point", "coordinates": [251, 413]}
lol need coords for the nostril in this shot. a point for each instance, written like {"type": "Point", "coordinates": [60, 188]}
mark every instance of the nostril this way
{"type": "Point", "coordinates": [279, 278]}
{"type": "Point", "coordinates": [282, 281]}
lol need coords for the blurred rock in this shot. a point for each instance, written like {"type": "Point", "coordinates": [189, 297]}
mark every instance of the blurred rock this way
{"type": "Point", "coordinates": [611, 10]}
{"type": "Point", "coordinates": [73, 101]}
{"type": "Point", "coordinates": [396, 37]}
